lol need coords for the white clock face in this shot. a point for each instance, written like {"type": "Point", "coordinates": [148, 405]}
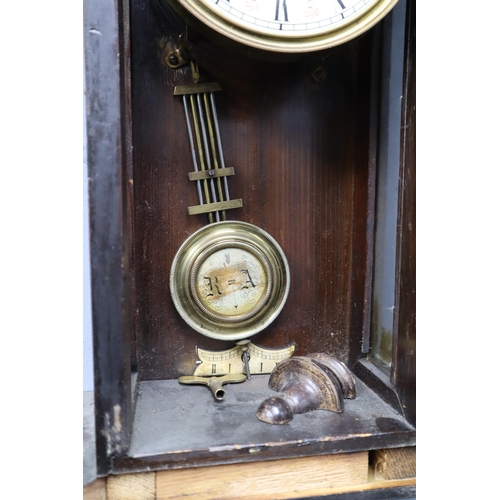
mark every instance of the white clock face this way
{"type": "Point", "coordinates": [290, 18]}
{"type": "Point", "coordinates": [286, 26]}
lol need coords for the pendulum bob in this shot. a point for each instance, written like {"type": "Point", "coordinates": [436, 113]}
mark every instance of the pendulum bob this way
{"type": "Point", "coordinates": [304, 385]}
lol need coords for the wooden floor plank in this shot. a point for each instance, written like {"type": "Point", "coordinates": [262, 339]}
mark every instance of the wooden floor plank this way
{"type": "Point", "coordinates": [95, 490]}
{"type": "Point", "coordinates": [288, 478]}
{"type": "Point", "coordinates": [314, 477]}
{"type": "Point", "coordinates": [140, 486]}
{"type": "Point", "coordinates": [394, 463]}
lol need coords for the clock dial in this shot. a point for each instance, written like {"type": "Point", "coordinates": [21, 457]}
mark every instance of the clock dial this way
{"type": "Point", "coordinates": [287, 26]}
{"type": "Point", "coordinates": [231, 283]}
{"type": "Point", "coordinates": [290, 18]}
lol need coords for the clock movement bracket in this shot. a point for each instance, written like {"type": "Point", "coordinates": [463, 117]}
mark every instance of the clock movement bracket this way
{"type": "Point", "coordinates": [181, 55]}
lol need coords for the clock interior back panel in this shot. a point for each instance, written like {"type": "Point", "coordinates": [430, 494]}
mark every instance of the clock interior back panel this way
{"type": "Point", "coordinates": [299, 150]}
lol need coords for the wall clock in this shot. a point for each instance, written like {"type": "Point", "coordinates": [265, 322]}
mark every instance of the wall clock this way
{"type": "Point", "coordinates": [286, 26]}
{"type": "Point", "coordinates": [302, 155]}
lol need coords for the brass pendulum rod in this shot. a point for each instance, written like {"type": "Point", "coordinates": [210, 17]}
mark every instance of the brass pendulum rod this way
{"type": "Point", "coordinates": [210, 126]}
{"type": "Point", "coordinates": [201, 155]}
{"type": "Point", "coordinates": [191, 145]}
{"type": "Point", "coordinates": [219, 144]}
{"type": "Point", "coordinates": [206, 150]}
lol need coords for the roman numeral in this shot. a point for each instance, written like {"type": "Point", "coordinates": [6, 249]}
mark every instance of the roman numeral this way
{"type": "Point", "coordinates": [281, 11]}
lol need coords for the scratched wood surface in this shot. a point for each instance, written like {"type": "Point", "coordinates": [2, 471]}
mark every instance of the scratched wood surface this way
{"type": "Point", "coordinates": [254, 481]}
{"type": "Point", "coordinates": [95, 490]}
{"type": "Point", "coordinates": [132, 487]}
{"type": "Point", "coordinates": [299, 148]}
{"type": "Point", "coordinates": [394, 463]}
{"type": "Point", "coordinates": [404, 352]}
{"type": "Point", "coordinates": [176, 426]}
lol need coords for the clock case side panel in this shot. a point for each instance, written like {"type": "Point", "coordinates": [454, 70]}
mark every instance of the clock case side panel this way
{"type": "Point", "coordinates": [403, 374]}
{"type": "Point", "coordinates": [365, 194]}
{"type": "Point", "coordinates": [109, 146]}
{"type": "Point", "coordinates": [395, 383]}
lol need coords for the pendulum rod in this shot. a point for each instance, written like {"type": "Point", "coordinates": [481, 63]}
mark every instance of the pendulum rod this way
{"type": "Point", "coordinates": [201, 154]}
{"type": "Point", "coordinates": [210, 172]}
{"type": "Point", "coordinates": [193, 152]}
{"type": "Point", "coordinates": [207, 153]}
{"type": "Point", "coordinates": [219, 144]}
{"type": "Point", "coordinates": [210, 126]}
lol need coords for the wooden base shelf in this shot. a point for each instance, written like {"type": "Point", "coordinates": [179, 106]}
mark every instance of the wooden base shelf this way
{"type": "Point", "coordinates": [178, 426]}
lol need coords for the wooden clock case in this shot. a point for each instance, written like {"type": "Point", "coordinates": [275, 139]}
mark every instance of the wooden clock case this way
{"type": "Point", "coordinates": [303, 138]}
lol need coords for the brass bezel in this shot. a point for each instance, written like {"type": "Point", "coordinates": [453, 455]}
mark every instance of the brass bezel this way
{"type": "Point", "coordinates": [221, 235]}
{"type": "Point", "coordinates": [353, 27]}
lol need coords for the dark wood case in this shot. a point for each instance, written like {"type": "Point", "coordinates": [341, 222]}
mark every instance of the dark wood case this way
{"type": "Point", "coordinates": [303, 137]}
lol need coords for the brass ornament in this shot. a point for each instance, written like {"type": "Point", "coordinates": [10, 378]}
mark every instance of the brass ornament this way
{"type": "Point", "coordinates": [243, 268]}
{"type": "Point", "coordinates": [261, 360]}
